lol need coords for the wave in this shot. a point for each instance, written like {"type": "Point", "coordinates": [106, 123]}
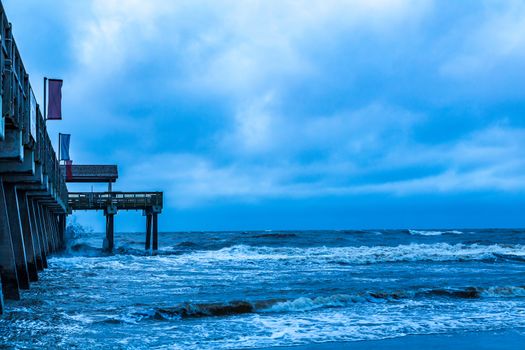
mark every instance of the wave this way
{"type": "Point", "coordinates": [340, 256]}
{"type": "Point", "coordinates": [276, 235]}
{"type": "Point", "coordinates": [305, 304]}
{"type": "Point", "coordinates": [511, 257]}
{"type": "Point", "coordinates": [438, 252]}
{"type": "Point", "coordinates": [433, 233]}
{"type": "Point", "coordinates": [187, 244]}
{"type": "Point", "coordinates": [83, 249]}
{"type": "Point", "coordinates": [343, 300]}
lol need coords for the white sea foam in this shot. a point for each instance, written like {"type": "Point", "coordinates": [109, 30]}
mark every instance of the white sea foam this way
{"type": "Point", "coordinates": [356, 255]}
{"type": "Point", "coordinates": [433, 233]}
{"type": "Point", "coordinates": [303, 304]}
{"type": "Point", "coordinates": [376, 321]}
{"type": "Point", "coordinates": [308, 304]}
{"type": "Point", "coordinates": [498, 292]}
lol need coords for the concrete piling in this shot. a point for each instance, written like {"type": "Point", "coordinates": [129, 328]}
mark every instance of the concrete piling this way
{"type": "Point", "coordinates": [110, 228]}
{"type": "Point", "coordinates": [23, 212]}
{"type": "Point", "coordinates": [8, 269]}
{"type": "Point", "coordinates": [16, 235]}
{"type": "Point", "coordinates": [1, 299]}
{"type": "Point", "coordinates": [49, 228]}
{"type": "Point", "coordinates": [37, 239]}
{"type": "Point", "coordinates": [43, 228]}
{"type": "Point", "coordinates": [38, 228]}
{"type": "Point", "coordinates": [155, 232]}
{"type": "Point", "coordinates": [148, 230]}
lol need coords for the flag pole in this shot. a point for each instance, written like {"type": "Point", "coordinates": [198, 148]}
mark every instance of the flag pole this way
{"type": "Point", "coordinates": [59, 146]}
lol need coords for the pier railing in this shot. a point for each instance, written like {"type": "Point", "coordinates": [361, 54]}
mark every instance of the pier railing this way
{"type": "Point", "coordinates": [120, 200]}
{"type": "Point", "coordinates": [26, 153]}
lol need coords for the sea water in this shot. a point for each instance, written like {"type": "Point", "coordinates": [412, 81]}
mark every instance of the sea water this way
{"type": "Point", "coordinates": [236, 290]}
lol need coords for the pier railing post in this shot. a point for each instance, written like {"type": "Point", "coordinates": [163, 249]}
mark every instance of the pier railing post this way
{"type": "Point", "coordinates": [9, 276]}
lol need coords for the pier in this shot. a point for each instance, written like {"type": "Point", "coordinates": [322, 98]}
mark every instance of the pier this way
{"type": "Point", "coordinates": [150, 203]}
{"type": "Point", "coordinates": [34, 198]}
{"type": "Point", "coordinates": [33, 194]}
{"type": "Point", "coordinates": [110, 202]}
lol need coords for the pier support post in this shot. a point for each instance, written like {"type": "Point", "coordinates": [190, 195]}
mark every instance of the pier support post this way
{"type": "Point", "coordinates": [155, 232]}
{"type": "Point", "coordinates": [110, 225]}
{"type": "Point", "coordinates": [148, 230]}
{"type": "Point", "coordinates": [50, 230]}
{"type": "Point", "coordinates": [62, 229]}
{"type": "Point", "coordinates": [54, 227]}
{"type": "Point", "coordinates": [45, 225]}
{"type": "Point", "coordinates": [110, 228]}
{"type": "Point", "coordinates": [1, 299]}
{"type": "Point", "coordinates": [43, 228]}
{"type": "Point", "coordinates": [29, 242]}
{"type": "Point", "coordinates": [9, 277]}
{"type": "Point", "coordinates": [42, 261]}
{"type": "Point", "coordinates": [16, 235]}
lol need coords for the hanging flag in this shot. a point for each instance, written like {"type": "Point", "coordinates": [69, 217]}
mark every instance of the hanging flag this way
{"type": "Point", "coordinates": [54, 104]}
{"type": "Point", "coordinates": [64, 146]}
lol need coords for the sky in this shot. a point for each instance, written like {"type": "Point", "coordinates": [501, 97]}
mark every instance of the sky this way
{"type": "Point", "coordinates": [282, 114]}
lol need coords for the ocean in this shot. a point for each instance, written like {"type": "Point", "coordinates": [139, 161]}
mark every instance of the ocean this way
{"type": "Point", "coordinates": [244, 290]}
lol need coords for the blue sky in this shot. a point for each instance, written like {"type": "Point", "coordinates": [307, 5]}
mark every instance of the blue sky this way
{"type": "Point", "coordinates": [293, 114]}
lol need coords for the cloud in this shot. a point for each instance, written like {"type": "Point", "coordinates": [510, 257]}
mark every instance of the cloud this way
{"type": "Point", "coordinates": [496, 40]}
{"type": "Point", "coordinates": [248, 101]}
{"type": "Point", "coordinates": [486, 160]}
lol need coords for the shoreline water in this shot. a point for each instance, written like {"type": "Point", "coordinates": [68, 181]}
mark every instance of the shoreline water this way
{"type": "Point", "coordinates": [489, 340]}
{"type": "Point", "coordinates": [277, 290]}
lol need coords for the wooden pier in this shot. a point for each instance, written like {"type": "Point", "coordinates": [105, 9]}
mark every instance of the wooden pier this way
{"type": "Point", "coordinates": [33, 194]}
{"type": "Point", "coordinates": [150, 203]}
{"type": "Point", "coordinates": [34, 199]}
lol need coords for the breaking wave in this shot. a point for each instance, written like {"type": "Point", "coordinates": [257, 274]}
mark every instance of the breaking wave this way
{"type": "Point", "coordinates": [438, 252]}
{"type": "Point", "coordinates": [276, 235]}
{"type": "Point", "coordinates": [342, 256]}
{"type": "Point", "coordinates": [433, 233]}
{"type": "Point", "coordinates": [305, 304]}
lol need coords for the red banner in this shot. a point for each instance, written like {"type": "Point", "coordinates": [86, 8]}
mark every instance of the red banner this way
{"type": "Point", "coordinates": [54, 105]}
{"type": "Point", "coordinates": [69, 170]}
